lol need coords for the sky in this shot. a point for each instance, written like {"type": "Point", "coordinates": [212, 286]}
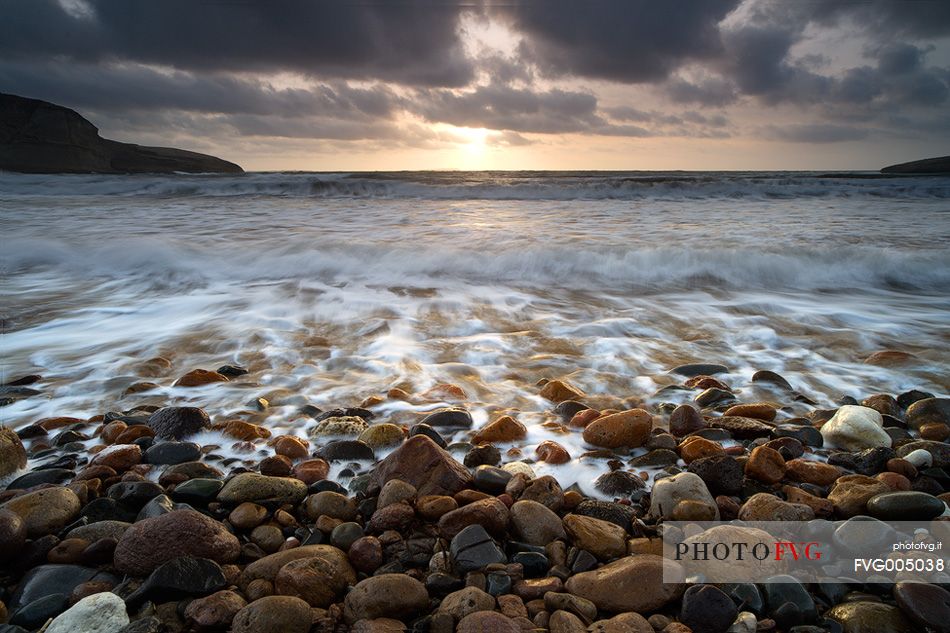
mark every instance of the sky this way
{"type": "Point", "coordinates": [337, 85]}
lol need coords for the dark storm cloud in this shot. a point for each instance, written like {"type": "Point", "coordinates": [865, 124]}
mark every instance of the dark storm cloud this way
{"type": "Point", "coordinates": [709, 91]}
{"type": "Point", "coordinates": [619, 40]}
{"type": "Point", "coordinates": [407, 41]}
{"type": "Point", "coordinates": [113, 88]}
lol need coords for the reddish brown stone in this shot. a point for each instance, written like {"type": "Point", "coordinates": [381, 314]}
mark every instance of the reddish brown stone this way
{"type": "Point", "coordinates": [199, 377]}
{"type": "Point", "coordinates": [421, 462]}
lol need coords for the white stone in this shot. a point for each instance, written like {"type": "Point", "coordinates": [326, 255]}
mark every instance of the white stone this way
{"type": "Point", "coordinates": [745, 623]}
{"type": "Point", "coordinates": [921, 458]}
{"type": "Point", "coordinates": [519, 467]}
{"type": "Point", "coordinates": [669, 491]}
{"type": "Point", "coordinates": [855, 428]}
{"type": "Point", "coordinates": [98, 613]}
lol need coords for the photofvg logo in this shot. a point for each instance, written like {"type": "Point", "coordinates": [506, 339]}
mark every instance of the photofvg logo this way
{"type": "Point", "coordinates": [858, 550]}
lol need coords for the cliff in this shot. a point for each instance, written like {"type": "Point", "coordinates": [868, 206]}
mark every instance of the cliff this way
{"type": "Point", "coordinates": [939, 165]}
{"type": "Point", "coordinates": [41, 137]}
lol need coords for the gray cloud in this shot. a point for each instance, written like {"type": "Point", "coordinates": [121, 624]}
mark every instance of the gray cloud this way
{"type": "Point", "coordinates": [816, 133]}
{"type": "Point", "coordinates": [407, 41]}
{"type": "Point", "coordinates": [620, 40]}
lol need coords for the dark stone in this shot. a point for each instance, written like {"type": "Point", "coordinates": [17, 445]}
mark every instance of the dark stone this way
{"type": "Point", "coordinates": [328, 486]}
{"type": "Point", "coordinates": [59, 579]}
{"type": "Point", "coordinates": [174, 423]}
{"type": "Point", "coordinates": [616, 513]}
{"type": "Point", "coordinates": [568, 408]}
{"type": "Point", "coordinates": [764, 375]}
{"type": "Point", "coordinates": [197, 490]}
{"type": "Point", "coordinates": [134, 494]}
{"type": "Point", "coordinates": [535, 565]}
{"type": "Point", "coordinates": [722, 474]}
{"type": "Point", "coordinates": [346, 450]}
{"type": "Point", "coordinates": [807, 435]}
{"type": "Point", "coordinates": [231, 371]}
{"type": "Point", "coordinates": [44, 138]}
{"type": "Point", "coordinates": [441, 585]}
{"type": "Point", "coordinates": [745, 595]}
{"type": "Point", "coordinates": [925, 604]}
{"type": "Point", "coordinates": [53, 476]}
{"type": "Point", "coordinates": [699, 369]}
{"type": "Point", "coordinates": [473, 548]}
{"type": "Point", "coordinates": [910, 397]}
{"type": "Point", "coordinates": [790, 591]}
{"type": "Point", "coordinates": [706, 609]}
{"type": "Point", "coordinates": [657, 458]}
{"type": "Point", "coordinates": [486, 454]}
{"type": "Point", "coordinates": [428, 431]}
{"type": "Point", "coordinates": [686, 419]}
{"type": "Point", "coordinates": [106, 509]}
{"type": "Point", "coordinates": [173, 453]}
{"type": "Point", "coordinates": [905, 506]}
{"type": "Point", "coordinates": [491, 479]}
{"type": "Point", "coordinates": [928, 411]}
{"type": "Point", "coordinates": [713, 395]}
{"type": "Point", "coordinates": [158, 506]}
{"type": "Point", "coordinates": [180, 577]}
{"type": "Point", "coordinates": [35, 614]}
{"type": "Point", "coordinates": [498, 584]}
{"type": "Point", "coordinates": [619, 483]}
{"type": "Point", "coordinates": [939, 450]}
{"type": "Point", "coordinates": [452, 418]}
{"type": "Point", "coordinates": [867, 462]}
{"type": "Point", "coordinates": [345, 535]}
{"type": "Point", "coordinates": [583, 561]}
{"type": "Point", "coordinates": [68, 436]}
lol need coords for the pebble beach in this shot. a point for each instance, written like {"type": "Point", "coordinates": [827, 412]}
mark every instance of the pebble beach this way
{"type": "Point", "coordinates": [461, 403]}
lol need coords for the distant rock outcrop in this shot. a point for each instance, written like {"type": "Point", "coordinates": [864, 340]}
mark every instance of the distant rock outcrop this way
{"type": "Point", "coordinates": [41, 137]}
{"type": "Point", "coordinates": [939, 165]}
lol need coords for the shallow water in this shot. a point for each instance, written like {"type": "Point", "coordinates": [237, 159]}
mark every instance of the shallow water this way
{"type": "Point", "coordinates": [337, 287]}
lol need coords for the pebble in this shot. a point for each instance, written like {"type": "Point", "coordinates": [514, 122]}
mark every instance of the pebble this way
{"type": "Point", "coordinates": [45, 511]}
{"type": "Point", "coordinates": [713, 395]}
{"type": "Point", "coordinates": [450, 418]}
{"type": "Point", "coordinates": [722, 474]}
{"type": "Point", "coordinates": [905, 506]}
{"type": "Point", "coordinates": [172, 452]}
{"type": "Point", "coordinates": [669, 491]}
{"type": "Point", "coordinates": [504, 429]}
{"type": "Point", "coordinates": [766, 465]}
{"type": "Point", "coordinates": [286, 614]}
{"type": "Point", "coordinates": [766, 507]}
{"type": "Point", "coordinates": [316, 580]}
{"type": "Point", "coordinates": [12, 453]}
{"type": "Point", "coordinates": [686, 419]}
{"type": "Point", "coordinates": [626, 428]}
{"type": "Point", "coordinates": [535, 523]}
{"type": "Point", "coordinates": [558, 391]}
{"type": "Point", "coordinates": [349, 425]}
{"type": "Point", "coordinates": [178, 578]}
{"type": "Point", "coordinates": [174, 423]}
{"type": "Point", "coordinates": [99, 613]}
{"type": "Point", "coordinates": [459, 604]}
{"type": "Point", "coordinates": [925, 604]}
{"type": "Point", "coordinates": [706, 609]}
{"type": "Point", "coordinates": [472, 548]}
{"type": "Point", "coordinates": [422, 463]}
{"type": "Point", "coordinates": [216, 611]}
{"type": "Point", "coordinates": [632, 583]}
{"type": "Point", "coordinates": [699, 369]}
{"type": "Point", "coordinates": [812, 472]}
{"type": "Point", "coordinates": [601, 538]}
{"type": "Point", "coordinates": [487, 622]}
{"type": "Point", "coordinates": [851, 493]}
{"type": "Point", "coordinates": [928, 411]}
{"type": "Point", "coordinates": [151, 542]}
{"type": "Point", "coordinates": [491, 479]}
{"type": "Point", "coordinates": [12, 534]}
{"type": "Point", "coordinates": [382, 435]}
{"type": "Point", "coordinates": [552, 453]}
{"type": "Point", "coordinates": [854, 428]}
{"type": "Point", "coordinates": [386, 595]}
{"type": "Point", "coordinates": [262, 489]}
{"type": "Point", "coordinates": [870, 617]}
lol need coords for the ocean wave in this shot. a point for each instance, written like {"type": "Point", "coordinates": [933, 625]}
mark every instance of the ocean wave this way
{"type": "Point", "coordinates": [551, 266]}
{"type": "Point", "coordinates": [486, 185]}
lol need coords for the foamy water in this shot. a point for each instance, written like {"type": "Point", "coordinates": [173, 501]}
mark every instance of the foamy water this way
{"type": "Point", "coordinates": [335, 287]}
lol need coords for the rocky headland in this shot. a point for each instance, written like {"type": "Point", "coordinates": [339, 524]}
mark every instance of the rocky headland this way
{"type": "Point", "coordinates": [45, 138]}
{"type": "Point", "coordinates": [934, 166]}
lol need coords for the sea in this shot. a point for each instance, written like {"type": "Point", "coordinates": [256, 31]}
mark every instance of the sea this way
{"type": "Point", "coordinates": [334, 287]}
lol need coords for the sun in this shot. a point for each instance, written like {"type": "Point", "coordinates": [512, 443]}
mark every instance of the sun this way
{"type": "Point", "coordinates": [474, 139]}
